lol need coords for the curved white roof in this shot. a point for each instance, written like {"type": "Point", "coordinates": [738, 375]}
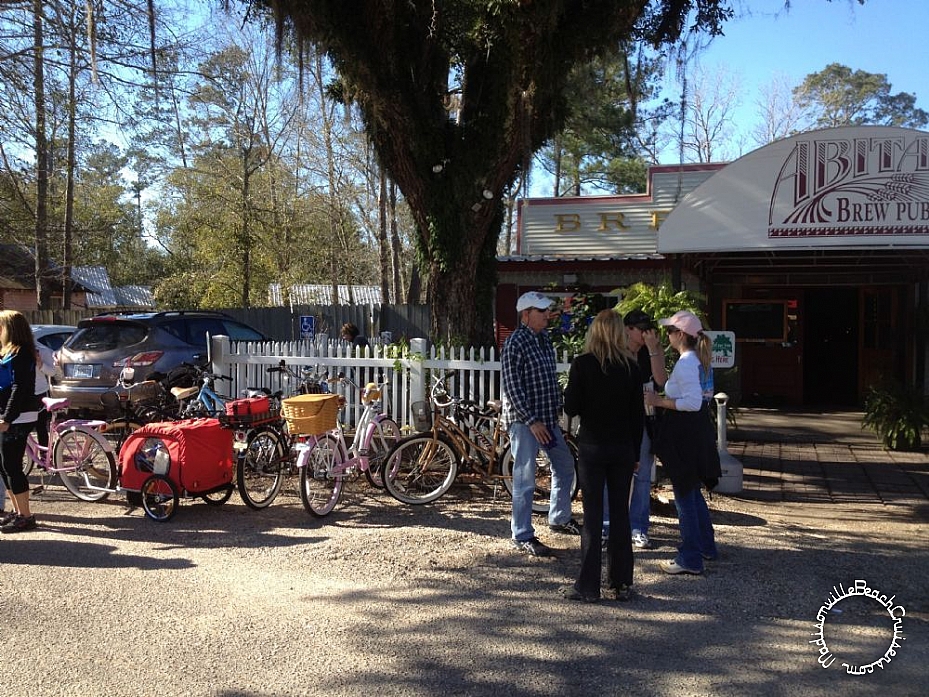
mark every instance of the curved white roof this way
{"type": "Point", "coordinates": [854, 187]}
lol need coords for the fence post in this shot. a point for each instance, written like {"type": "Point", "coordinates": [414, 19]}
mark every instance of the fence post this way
{"type": "Point", "coordinates": [218, 348]}
{"type": "Point", "coordinates": [418, 347]}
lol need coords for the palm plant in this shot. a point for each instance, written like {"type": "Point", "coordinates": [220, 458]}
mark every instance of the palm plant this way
{"type": "Point", "coordinates": [661, 300]}
{"type": "Point", "coordinates": [897, 414]}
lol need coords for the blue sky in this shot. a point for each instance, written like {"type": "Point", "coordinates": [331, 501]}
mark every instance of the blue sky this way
{"type": "Point", "coordinates": [881, 36]}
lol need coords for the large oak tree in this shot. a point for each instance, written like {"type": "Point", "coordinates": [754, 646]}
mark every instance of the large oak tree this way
{"type": "Point", "coordinates": [456, 95]}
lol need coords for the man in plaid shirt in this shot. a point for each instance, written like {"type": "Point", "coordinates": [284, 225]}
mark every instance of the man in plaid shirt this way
{"type": "Point", "coordinates": [531, 407]}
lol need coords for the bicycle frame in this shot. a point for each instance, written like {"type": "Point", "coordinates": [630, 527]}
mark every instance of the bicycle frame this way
{"type": "Point", "coordinates": [206, 398]}
{"type": "Point", "coordinates": [350, 455]}
{"type": "Point", "coordinates": [477, 447]}
{"type": "Point", "coordinates": [40, 455]}
{"type": "Point", "coordinates": [211, 401]}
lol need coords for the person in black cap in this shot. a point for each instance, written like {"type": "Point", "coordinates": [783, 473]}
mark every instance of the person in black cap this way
{"type": "Point", "coordinates": [643, 341]}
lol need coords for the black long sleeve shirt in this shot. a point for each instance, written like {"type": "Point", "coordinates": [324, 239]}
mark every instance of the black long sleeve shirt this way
{"type": "Point", "coordinates": [609, 403]}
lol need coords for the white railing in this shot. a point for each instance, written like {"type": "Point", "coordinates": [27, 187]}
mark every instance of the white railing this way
{"type": "Point", "coordinates": [475, 372]}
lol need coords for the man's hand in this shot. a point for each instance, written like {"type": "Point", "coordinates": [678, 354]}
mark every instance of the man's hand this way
{"type": "Point", "coordinates": [541, 432]}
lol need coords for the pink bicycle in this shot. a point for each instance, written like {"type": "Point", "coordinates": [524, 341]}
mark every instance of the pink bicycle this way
{"type": "Point", "coordinates": [325, 461]}
{"type": "Point", "coordinates": [77, 452]}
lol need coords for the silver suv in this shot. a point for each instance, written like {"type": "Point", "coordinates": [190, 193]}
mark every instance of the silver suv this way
{"type": "Point", "coordinates": [153, 343]}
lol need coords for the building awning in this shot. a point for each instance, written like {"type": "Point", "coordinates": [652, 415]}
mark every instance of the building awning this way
{"type": "Point", "coordinates": [561, 258]}
{"type": "Point", "coordinates": [841, 188]}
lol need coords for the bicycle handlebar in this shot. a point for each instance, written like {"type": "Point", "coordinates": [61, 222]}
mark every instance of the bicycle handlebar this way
{"type": "Point", "coordinates": [438, 391]}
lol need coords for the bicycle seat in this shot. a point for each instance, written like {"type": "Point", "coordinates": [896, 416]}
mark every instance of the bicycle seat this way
{"type": "Point", "coordinates": [495, 405]}
{"type": "Point", "coordinates": [55, 403]}
{"type": "Point", "coordinates": [184, 392]}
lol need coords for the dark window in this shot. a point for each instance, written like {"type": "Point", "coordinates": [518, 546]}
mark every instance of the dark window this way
{"type": "Point", "coordinates": [240, 332]}
{"type": "Point", "coordinates": [176, 328]}
{"type": "Point", "coordinates": [106, 337]}
{"type": "Point", "coordinates": [54, 341]}
{"type": "Point", "coordinates": [198, 327]}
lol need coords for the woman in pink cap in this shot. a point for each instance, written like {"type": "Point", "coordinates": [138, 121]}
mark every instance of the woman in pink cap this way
{"type": "Point", "coordinates": [686, 444]}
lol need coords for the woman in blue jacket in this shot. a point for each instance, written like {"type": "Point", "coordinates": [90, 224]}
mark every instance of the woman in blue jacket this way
{"type": "Point", "coordinates": [18, 414]}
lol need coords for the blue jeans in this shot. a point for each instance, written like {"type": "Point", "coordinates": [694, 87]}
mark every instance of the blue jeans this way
{"type": "Point", "coordinates": [640, 504]}
{"type": "Point", "coordinates": [525, 448]}
{"type": "Point", "coordinates": [697, 537]}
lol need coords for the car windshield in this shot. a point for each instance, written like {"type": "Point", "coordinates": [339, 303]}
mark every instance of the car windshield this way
{"type": "Point", "coordinates": [106, 336]}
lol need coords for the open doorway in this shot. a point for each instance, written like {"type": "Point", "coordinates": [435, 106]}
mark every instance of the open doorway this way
{"type": "Point", "coordinates": [830, 347]}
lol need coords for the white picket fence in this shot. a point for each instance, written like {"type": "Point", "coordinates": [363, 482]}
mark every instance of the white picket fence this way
{"type": "Point", "coordinates": [474, 374]}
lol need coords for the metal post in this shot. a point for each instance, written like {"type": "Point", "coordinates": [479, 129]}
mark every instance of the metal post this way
{"type": "Point", "coordinates": [731, 480]}
{"type": "Point", "coordinates": [418, 387]}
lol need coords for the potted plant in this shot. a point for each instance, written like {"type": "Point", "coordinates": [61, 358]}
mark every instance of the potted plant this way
{"type": "Point", "coordinates": [897, 414]}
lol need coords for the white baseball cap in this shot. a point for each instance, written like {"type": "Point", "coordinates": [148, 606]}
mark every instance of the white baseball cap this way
{"type": "Point", "coordinates": [533, 299]}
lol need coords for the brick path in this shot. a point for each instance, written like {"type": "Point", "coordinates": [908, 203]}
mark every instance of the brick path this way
{"type": "Point", "coordinates": [832, 472]}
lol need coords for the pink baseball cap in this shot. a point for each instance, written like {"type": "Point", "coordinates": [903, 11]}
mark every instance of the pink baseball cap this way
{"type": "Point", "coordinates": [684, 320]}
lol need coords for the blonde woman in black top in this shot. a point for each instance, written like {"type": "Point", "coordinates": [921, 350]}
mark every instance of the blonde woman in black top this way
{"type": "Point", "coordinates": [605, 390]}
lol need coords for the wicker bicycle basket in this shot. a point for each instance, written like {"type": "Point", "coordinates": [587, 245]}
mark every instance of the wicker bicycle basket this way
{"type": "Point", "coordinates": [422, 416]}
{"type": "Point", "coordinates": [310, 414]}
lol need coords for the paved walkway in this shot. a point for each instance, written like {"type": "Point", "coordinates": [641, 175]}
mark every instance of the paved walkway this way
{"type": "Point", "coordinates": [809, 457]}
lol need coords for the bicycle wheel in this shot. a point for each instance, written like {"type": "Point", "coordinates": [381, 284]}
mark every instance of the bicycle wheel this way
{"type": "Point", "coordinates": [543, 476]}
{"type": "Point", "coordinates": [419, 469]}
{"type": "Point", "coordinates": [385, 436]}
{"type": "Point", "coordinates": [118, 430]}
{"type": "Point", "coordinates": [86, 469]}
{"type": "Point", "coordinates": [320, 488]}
{"type": "Point", "coordinates": [159, 498]}
{"type": "Point", "coordinates": [217, 497]}
{"type": "Point", "coordinates": [260, 468]}
{"type": "Point", "coordinates": [32, 449]}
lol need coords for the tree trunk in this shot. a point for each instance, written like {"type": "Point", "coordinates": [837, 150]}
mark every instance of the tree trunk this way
{"type": "Point", "coordinates": [395, 251]}
{"type": "Point", "coordinates": [42, 160]}
{"type": "Point", "coordinates": [383, 246]}
{"type": "Point", "coordinates": [67, 253]}
{"type": "Point", "coordinates": [461, 274]}
{"type": "Point", "coordinates": [246, 249]}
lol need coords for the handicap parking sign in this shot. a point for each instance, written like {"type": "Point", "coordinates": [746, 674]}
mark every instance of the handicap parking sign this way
{"type": "Point", "coordinates": [307, 326]}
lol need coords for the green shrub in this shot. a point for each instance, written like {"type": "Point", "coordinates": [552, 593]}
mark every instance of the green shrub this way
{"type": "Point", "coordinates": [897, 414]}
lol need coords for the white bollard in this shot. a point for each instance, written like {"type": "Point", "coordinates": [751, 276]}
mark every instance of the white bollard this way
{"type": "Point", "coordinates": [731, 480]}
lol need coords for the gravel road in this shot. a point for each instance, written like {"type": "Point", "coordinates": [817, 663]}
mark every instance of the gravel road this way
{"type": "Point", "coordinates": [385, 599]}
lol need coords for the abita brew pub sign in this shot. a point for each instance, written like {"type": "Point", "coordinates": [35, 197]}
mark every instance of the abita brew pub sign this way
{"type": "Point", "coordinates": [842, 187]}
